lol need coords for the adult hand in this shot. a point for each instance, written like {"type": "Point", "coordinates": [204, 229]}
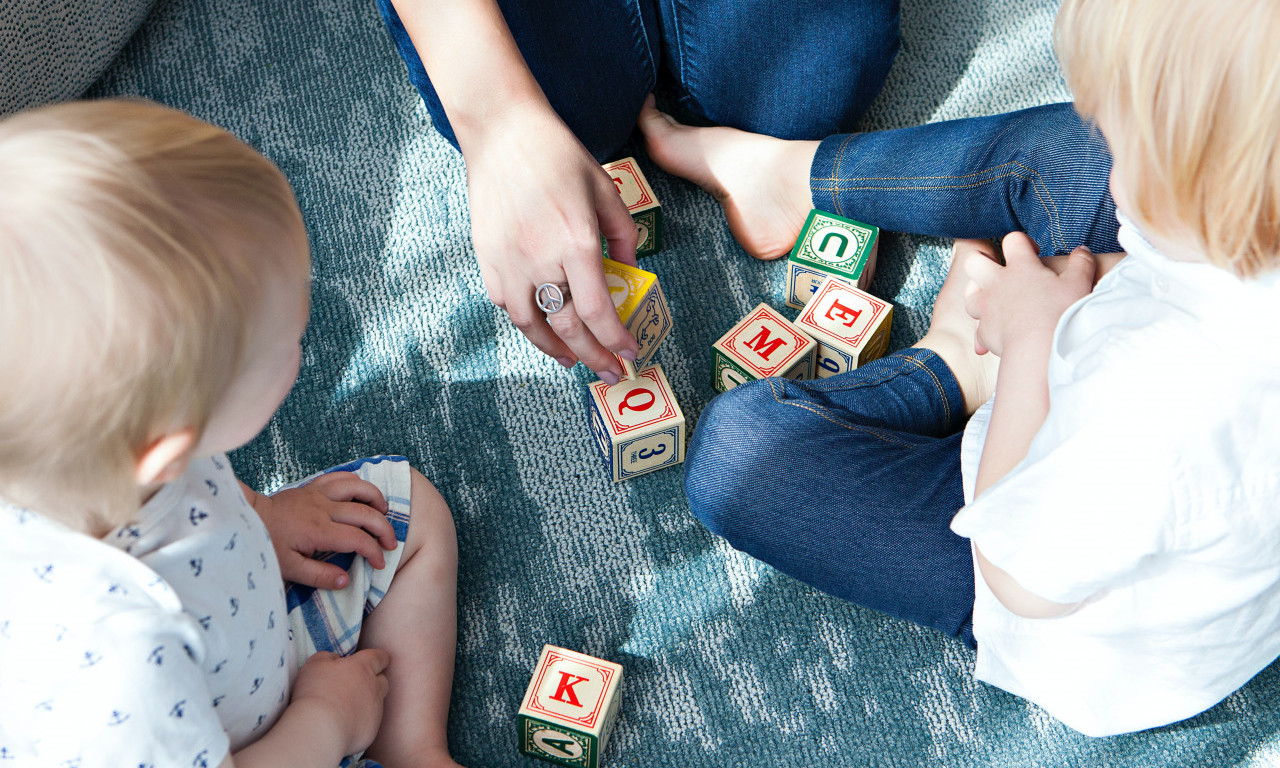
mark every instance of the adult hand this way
{"type": "Point", "coordinates": [539, 205]}
{"type": "Point", "coordinates": [1023, 299]}
{"type": "Point", "coordinates": [336, 512]}
{"type": "Point", "coordinates": [351, 690]}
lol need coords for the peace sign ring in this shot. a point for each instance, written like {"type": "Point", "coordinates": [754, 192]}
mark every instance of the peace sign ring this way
{"type": "Point", "coordinates": [551, 297]}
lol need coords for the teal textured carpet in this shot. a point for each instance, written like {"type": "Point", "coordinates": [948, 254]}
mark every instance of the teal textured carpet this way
{"type": "Point", "coordinates": [727, 662]}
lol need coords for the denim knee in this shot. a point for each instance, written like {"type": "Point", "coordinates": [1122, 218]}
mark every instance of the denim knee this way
{"type": "Point", "coordinates": [730, 455]}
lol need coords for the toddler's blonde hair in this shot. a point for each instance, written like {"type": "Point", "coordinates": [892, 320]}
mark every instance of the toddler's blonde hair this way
{"type": "Point", "coordinates": [134, 240]}
{"type": "Point", "coordinates": [1188, 95]}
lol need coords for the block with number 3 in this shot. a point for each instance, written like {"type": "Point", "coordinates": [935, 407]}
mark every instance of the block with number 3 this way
{"type": "Point", "coordinates": [569, 708]}
{"type": "Point", "coordinates": [641, 203]}
{"type": "Point", "coordinates": [761, 345]}
{"type": "Point", "coordinates": [850, 326]}
{"type": "Point", "coordinates": [830, 245]}
{"type": "Point", "coordinates": [637, 424]}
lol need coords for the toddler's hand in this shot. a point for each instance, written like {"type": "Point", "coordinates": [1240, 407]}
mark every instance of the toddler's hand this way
{"type": "Point", "coordinates": [336, 512]}
{"type": "Point", "coordinates": [351, 689]}
{"type": "Point", "coordinates": [1023, 300]}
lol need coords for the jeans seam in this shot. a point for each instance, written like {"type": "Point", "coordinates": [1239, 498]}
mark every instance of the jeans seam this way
{"type": "Point", "coordinates": [821, 413]}
{"type": "Point", "coordinates": [642, 40]}
{"type": "Point", "coordinates": [942, 392]}
{"type": "Point", "coordinates": [835, 172]}
{"type": "Point", "coordinates": [1041, 190]}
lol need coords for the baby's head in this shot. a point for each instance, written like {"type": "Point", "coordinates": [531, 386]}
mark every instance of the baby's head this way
{"type": "Point", "coordinates": [153, 289]}
{"type": "Point", "coordinates": [1188, 96]}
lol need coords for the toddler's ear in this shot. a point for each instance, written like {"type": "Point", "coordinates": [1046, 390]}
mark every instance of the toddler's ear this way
{"type": "Point", "coordinates": [166, 458]}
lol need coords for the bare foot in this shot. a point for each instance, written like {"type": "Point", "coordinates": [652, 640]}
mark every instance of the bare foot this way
{"type": "Point", "coordinates": [761, 182]}
{"type": "Point", "coordinates": [951, 330]}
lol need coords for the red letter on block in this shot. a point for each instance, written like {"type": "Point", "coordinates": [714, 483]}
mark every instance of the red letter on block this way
{"type": "Point", "coordinates": [566, 689]}
{"type": "Point", "coordinates": [626, 401]}
{"type": "Point", "coordinates": [762, 345]}
{"type": "Point", "coordinates": [844, 312]}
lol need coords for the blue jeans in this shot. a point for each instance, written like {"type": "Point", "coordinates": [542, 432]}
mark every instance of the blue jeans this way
{"type": "Point", "coordinates": [848, 484]}
{"type": "Point", "coordinates": [730, 62]}
{"type": "Point", "coordinates": [1042, 171]}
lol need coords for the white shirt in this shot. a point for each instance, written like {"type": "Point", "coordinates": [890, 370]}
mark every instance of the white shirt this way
{"type": "Point", "coordinates": [1152, 493]}
{"type": "Point", "coordinates": [164, 644]}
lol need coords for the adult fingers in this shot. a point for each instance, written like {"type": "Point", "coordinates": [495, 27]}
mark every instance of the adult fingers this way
{"type": "Point", "coordinates": [616, 225]}
{"type": "Point", "coordinates": [593, 303]}
{"type": "Point", "coordinates": [529, 319]}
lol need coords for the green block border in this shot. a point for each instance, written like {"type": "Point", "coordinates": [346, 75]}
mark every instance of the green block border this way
{"type": "Point", "coordinates": [719, 362]}
{"type": "Point", "coordinates": [800, 252]}
{"type": "Point", "coordinates": [590, 754]}
{"type": "Point", "coordinates": [652, 219]}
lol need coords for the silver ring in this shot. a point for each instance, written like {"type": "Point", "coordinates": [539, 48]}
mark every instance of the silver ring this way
{"type": "Point", "coordinates": [551, 297]}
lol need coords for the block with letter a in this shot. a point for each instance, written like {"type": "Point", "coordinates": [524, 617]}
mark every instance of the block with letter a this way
{"type": "Point", "coordinates": [569, 708]}
{"type": "Point", "coordinates": [637, 424]}
{"type": "Point", "coordinates": [850, 326]}
{"type": "Point", "coordinates": [641, 203]}
{"type": "Point", "coordinates": [642, 308]}
{"type": "Point", "coordinates": [762, 344]}
{"type": "Point", "coordinates": [830, 245]}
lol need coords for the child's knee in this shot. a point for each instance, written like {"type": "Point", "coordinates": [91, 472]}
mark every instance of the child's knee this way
{"type": "Point", "coordinates": [731, 455]}
{"type": "Point", "coordinates": [431, 525]}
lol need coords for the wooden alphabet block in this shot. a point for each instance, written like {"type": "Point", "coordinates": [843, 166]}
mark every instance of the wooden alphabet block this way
{"type": "Point", "coordinates": [569, 708]}
{"type": "Point", "coordinates": [850, 326]}
{"type": "Point", "coordinates": [642, 308]}
{"type": "Point", "coordinates": [637, 423]}
{"type": "Point", "coordinates": [830, 245]}
{"type": "Point", "coordinates": [762, 344]}
{"type": "Point", "coordinates": [641, 203]}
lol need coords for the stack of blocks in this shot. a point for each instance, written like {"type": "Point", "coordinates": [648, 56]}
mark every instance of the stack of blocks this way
{"type": "Point", "coordinates": [841, 326]}
{"type": "Point", "coordinates": [637, 423]}
{"type": "Point", "coordinates": [569, 708]}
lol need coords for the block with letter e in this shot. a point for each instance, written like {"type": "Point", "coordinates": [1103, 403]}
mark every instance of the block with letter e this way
{"type": "Point", "coordinates": [638, 298]}
{"type": "Point", "coordinates": [762, 344]}
{"type": "Point", "coordinates": [850, 326]}
{"type": "Point", "coordinates": [830, 245]}
{"type": "Point", "coordinates": [569, 707]}
{"type": "Point", "coordinates": [637, 424]}
{"type": "Point", "coordinates": [641, 203]}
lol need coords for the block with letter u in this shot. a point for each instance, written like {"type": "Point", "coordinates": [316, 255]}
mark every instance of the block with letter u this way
{"type": "Point", "coordinates": [761, 345]}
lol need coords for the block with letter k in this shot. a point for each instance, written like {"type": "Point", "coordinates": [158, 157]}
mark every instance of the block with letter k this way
{"type": "Point", "coordinates": [569, 708]}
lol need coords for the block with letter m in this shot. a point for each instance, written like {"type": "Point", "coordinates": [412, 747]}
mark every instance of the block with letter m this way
{"type": "Point", "coordinates": [761, 345]}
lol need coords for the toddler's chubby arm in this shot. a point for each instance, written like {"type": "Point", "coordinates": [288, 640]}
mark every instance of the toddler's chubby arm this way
{"type": "Point", "coordinates": [1017, 307]}
{"type": "Point", "coordinates": [336, 512]}
{"type": "Point", "coordinates": [335, 709]}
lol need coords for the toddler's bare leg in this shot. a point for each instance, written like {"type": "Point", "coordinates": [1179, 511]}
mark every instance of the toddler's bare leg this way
{"type": "Point", "coordinates": [761, 182]}
{"type": "Point", "coordinates": [416, 622]}
{"type": "Point", "coordinates": [951, 330]}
